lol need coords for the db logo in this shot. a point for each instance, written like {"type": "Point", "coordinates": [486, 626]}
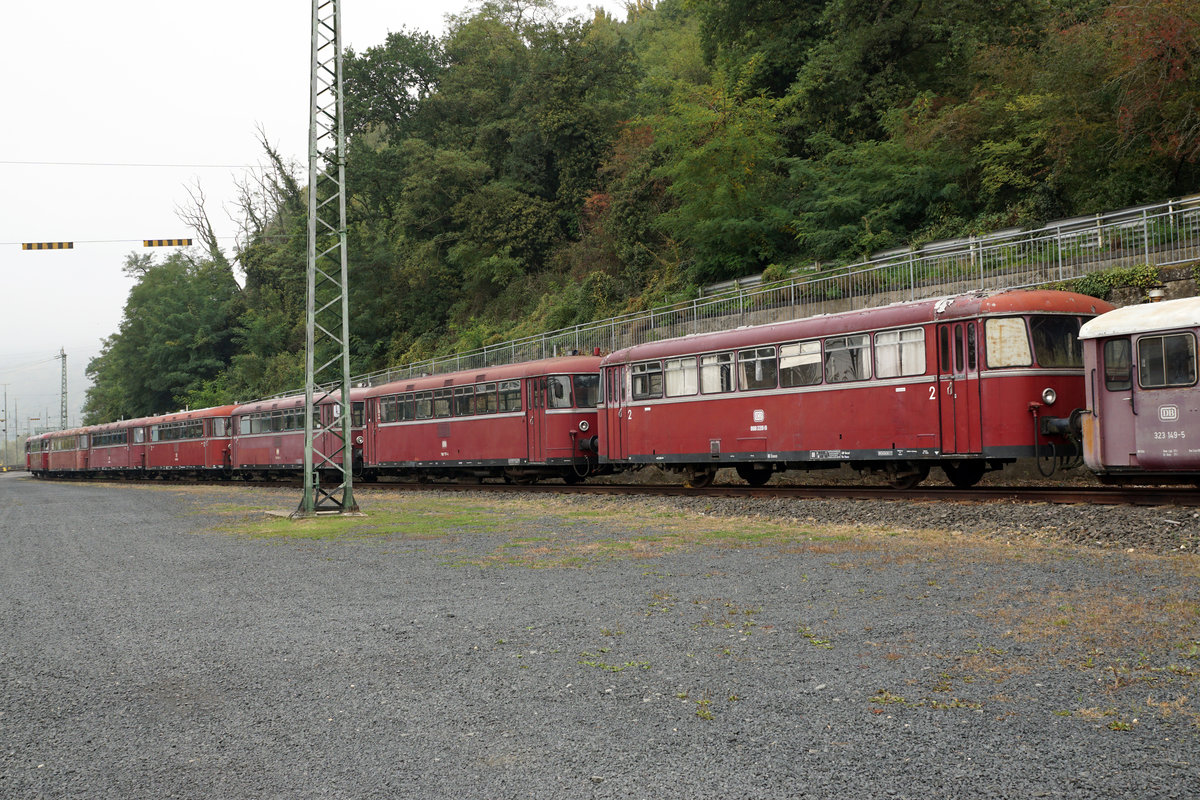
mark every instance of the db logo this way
{"type": "Point", "coordinates": [1168, 413]}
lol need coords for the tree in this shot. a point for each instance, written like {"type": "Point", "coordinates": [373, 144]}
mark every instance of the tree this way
{"type": "Point", "coordinates": [175, 336]}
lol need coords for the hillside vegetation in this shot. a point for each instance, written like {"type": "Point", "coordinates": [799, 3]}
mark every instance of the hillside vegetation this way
{"type": "Point", "coordinates": [527, 171]}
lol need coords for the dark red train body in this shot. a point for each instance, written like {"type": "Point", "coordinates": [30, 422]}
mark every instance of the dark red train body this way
{"type": "Point", "coordinates": [1142, 422]}
{"type": "Point", "coordinates": [966, 383]}
{"type": "Point", "coordinates": [520, 421]}
{"type": "Point", "coordinates": [958, 383]}
{"type": "Point", "coordinates": [269, 434]}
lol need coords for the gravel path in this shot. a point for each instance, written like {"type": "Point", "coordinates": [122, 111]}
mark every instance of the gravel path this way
{"type": "Point", "coordinates": [591, 648]}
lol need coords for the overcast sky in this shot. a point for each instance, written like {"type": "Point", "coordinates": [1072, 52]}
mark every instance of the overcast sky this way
{"type": "Point", "coordinates": [114, 110]}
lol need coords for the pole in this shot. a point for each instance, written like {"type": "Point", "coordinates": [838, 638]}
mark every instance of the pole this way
{"type": "Point", "coordinates": [328, 446]}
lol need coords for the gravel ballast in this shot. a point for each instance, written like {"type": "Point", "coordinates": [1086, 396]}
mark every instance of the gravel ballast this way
{"type": "Point", "coordinates": [568, 647]}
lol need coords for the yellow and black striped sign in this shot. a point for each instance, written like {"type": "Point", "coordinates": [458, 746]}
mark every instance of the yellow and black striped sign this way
{"type": "Point", "coordinates": [47, 245]}
{"type": "Point", "coordinates": [166, 242]}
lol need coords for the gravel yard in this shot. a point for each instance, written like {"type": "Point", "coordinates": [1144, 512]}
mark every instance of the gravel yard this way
{"type": "Point", "coordinates": [175, 642]}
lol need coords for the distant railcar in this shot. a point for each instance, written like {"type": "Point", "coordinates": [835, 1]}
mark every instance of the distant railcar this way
{"type": "Point", "coordinates": [1142, 423]}
{"type": "Point", "coordinates": [965, 383]}
{"type": "Point", "coordinates": [67, 452]}
{"type": "Point", "coordinates": [268, 435]}
{"type": "Point", "coordinates": [521, 422]}
{"type": "Point", "coordinates": [37, 454]}
{"type": "Point", "coordinates": [194, 442]}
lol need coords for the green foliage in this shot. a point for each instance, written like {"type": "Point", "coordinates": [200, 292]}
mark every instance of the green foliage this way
{"type": "Point", "coordinates": [526, 171]}
{"type": "Point", "coordinates": [174, 341]}
{"type": "Point", "coordinates": [1101, 284]}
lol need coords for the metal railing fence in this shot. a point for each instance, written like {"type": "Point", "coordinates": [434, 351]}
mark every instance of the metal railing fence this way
{"type": "Point", "coordinates": [1163, 234]}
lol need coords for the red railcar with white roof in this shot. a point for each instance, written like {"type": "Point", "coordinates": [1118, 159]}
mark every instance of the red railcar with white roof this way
{"type": "Point", "coordinates": [1142, 423]}
{"type": "Point", "coordinates": [966, 383]}
{"type": "Point", "coordinates": [520, 421]}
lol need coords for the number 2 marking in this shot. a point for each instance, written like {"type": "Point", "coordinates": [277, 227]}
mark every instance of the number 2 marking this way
{"type": "Point", "coordinates": [932, 392]}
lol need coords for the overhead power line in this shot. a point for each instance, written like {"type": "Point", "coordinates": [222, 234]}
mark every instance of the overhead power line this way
{"type": "Point", "coordinates": [124, 164]}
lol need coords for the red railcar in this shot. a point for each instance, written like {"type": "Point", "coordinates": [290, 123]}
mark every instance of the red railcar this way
{"type": "Point", "coordinates": [520, 421]}
{"type": "Point", "coordinates": [960, 382]}
{"type": "Point", "coordinates": [37, 454]}
{"type": "Point", "coordinates": [1142, 423]}
{"type": "Point", "coordinates": [113, 447]}
{"type": "Point", "coordinates": [269, 434]}
{"type": "Point", "coordinates": [189, 441]}
{"type": "Point", "coordinates": [68, 452]}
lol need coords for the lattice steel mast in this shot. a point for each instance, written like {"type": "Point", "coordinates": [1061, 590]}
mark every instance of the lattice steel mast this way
{"type": "Point", "coordinates": [327, 445]}
{"type": "Point", "coordinates": [62, 397]}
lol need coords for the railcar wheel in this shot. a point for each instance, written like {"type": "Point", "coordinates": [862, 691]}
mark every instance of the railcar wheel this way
{"type": "Point", "coordinates": [964, 474]}
{"type": "Point", "coordinates": [907, 480]}
{"type": "Point", "coordinates": [700, 477]}
{"type": "Point", "coordinates": [754, 474]}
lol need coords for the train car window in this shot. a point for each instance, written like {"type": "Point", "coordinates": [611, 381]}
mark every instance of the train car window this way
{"type": "Point", "coordinates": [1007, 343]}
{"type": "Point", "coordinates": [442, 399]}
{"type": "Point", "coordinates": [424, 404]}
{"type": "Point", "coordinates": [647, 380]}
{"type": "Point", "coordinates": [681, 376]}
{"type": "Point", "coordinates": [485, 399]}
{"type": "Point", "coordinates": [972, 346]}
{"type": "Point", "coordinates": [1118, 365]}
{"type": "Point", "coordinates": [587, 390]}
{"type": "Point", "coordinates": [1056, 341]}
{"type": "Point", "coordinates": [408, 407]}
{"type": "Point", "coordinates": [848, 358]}
{"type": "Point", "coordinates": [387, 409]}
{"type": "Point", "coordinates": [1167, 361]}
{"type": "Point", "coordinates": [716, 373]}
{"type": "Point", "coordinates": [464, 401]}
{"type": "Point", "coordinates": [139, 435]}
{"type": "Point", "coordinates": [510, 396]}
{"type": "Point", "coordinates": [799, 364]}
{"type": "Point", "coordinates": [899, 353]}
{"type": "Point", "coordinates": [358, 413]}
{"type": "Point", "coordinates": [63, 443]}
{"type": "Point", "coordinates": [757, 369]}
{"type": "Point", "coordinates": [558, 388]}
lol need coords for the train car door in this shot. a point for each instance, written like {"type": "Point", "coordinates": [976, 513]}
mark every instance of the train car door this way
{"type": "Point", "coordinates": [958, 387]}
{"type": "Point", "coordinates": [1164, 401]}
{"type": "Point", "coordinates": [1113, 405]}
{"type": "Point", "coordinates": [614, 408]}
{"type": "Point", "coordinates": [535, 411]}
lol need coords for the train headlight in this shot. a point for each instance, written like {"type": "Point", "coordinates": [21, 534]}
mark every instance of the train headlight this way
{"type": "Point", "coordinates": [583, 425]}
{"type": "Point", "coordinates": [1049, 396]}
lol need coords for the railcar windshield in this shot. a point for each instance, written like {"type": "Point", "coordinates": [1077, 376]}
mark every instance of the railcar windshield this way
{"type": "Point", "coordinates": [558, 391]}
{"type": "Point", "coordinates": [1056, 341]}
{"type": "Point", "coordinates": [1048, 341]}
{"type": "Point", "coordinates": [587, 391]}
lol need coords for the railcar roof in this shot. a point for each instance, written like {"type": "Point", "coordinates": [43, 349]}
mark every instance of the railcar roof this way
{"type": "Point", "coordinates": [1164, 316]}
{"type": "Point", "coordinates": [199, 413]}
{"type": "Point", "coordinates": [564, 365]}
{"type": "Point", "coordinates": [1016, 301]}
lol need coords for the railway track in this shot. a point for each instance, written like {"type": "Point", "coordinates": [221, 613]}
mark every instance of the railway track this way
{"type": "Point", "coordinates": [1057, 495]}
{"type": "Point", "coordinates": [1136, 496]}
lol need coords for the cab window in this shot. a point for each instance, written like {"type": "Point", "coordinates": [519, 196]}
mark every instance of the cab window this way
{"type": "Point", "coordinates": [1007, 343]}
{"type": "Point", "coordinates": [587, 391]}
{"type": "Point", "coordinates": [1166, 361]}
{"type": "Point", "coordinates": [558, 391]}
{"type": "Point", "coordinates": [1118, 365]}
